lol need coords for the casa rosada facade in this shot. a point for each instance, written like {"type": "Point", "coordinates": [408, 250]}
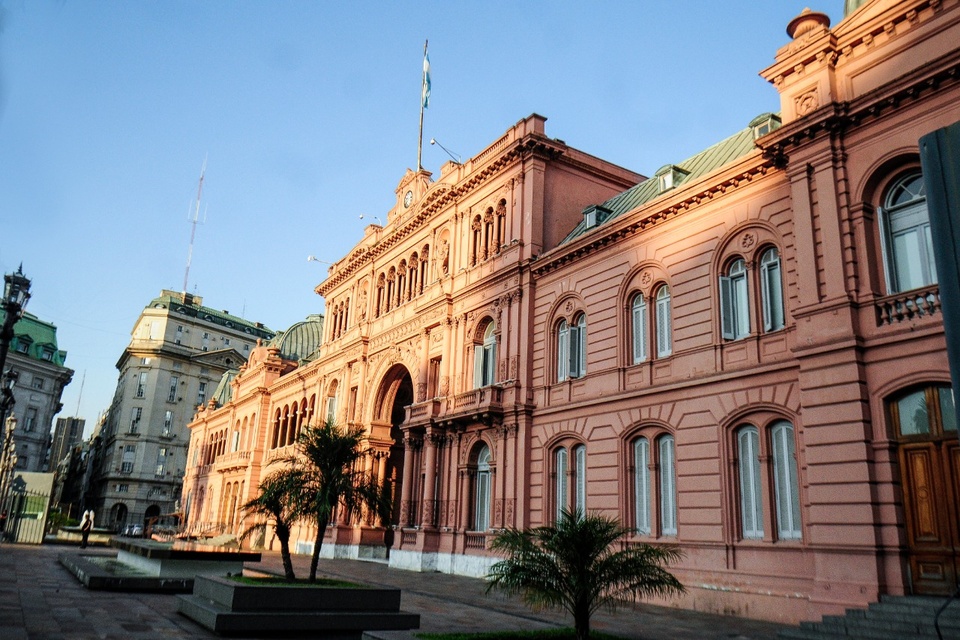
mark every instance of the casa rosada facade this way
{"type": "Point", "coordinates": [742, 355]}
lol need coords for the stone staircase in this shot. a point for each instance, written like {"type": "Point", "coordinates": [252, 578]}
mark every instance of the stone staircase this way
{"type": "Point", "coordinates": [893, 618]}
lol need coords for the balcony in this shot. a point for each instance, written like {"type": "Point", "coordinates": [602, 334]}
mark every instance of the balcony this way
{"type": "Point", "coordinates": [232, 460]}
{"type": "Point", "coordinates": [479, 405]}
{"type": "Point", "coordinates": [422, 413]}
{"type": "Point", "coordinates": [911, 305]}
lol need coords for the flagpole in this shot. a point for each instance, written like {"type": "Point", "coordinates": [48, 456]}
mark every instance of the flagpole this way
{"type": "Point", "coordinates": [423, 89]}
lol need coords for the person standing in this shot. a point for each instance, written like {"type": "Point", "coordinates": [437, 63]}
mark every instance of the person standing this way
{"type": "Point", "coordinates": [86, 524]}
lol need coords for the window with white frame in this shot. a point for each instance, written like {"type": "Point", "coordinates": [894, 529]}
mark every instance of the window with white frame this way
{"type": "Point", "coordinates": [787, 489]}
{"type": "Point", "coordinates": [485, 358]}
{"type": "Point", "coordinates": [668, 486]}
{"type": "Point", "coordinates": [30, 419]}
{"type": "Point", "coordinates": [734, 302]}
{"type": "Point", "coordinates": [767, 480]}
{"type": "Point", "coordinates": [664, 321]}
{"type": "Point", "coordinates": [751, 489]}
{"type": "Point", "coordinates": [580, 476]}
{"type": "Point", "coordinates": [772, 290]}
{"type": "Point", "coordinates": [641, 486]}
{"type": "Point", "coordinates": [572, 348]}
{"type": "Point", "coordinates": [129, 457]}
{"type": "Point", "coordinates": [481, 509]}
{"type": "Point", "coordinates": [167, 423]}
{"type": "Point", "coordinates": [906, 237]}
{"type": "Point", "coordinates": [560, 481]}
{"type": "Point", "coordinates": [161, 462]}
{"type": "Point", "coordinates": [638, 315]}
{"type": "Point", "coordinates": [141, 384]}
{"type": "Point", "coordinates": [331, 408]}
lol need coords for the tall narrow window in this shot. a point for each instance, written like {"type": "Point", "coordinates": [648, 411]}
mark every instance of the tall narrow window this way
{"type": "Point", "coordinates": [135, 419]}
{"type": "Point", "coordinates": [734, 303]}
{"type": "Point", "coordinates": [161, 462]}
{"type": "Point", "coordinates": [578, 347]}
{"type": "Point", "coordinates": [639, 325]}
{"type": "Point", "coordinates": [202, 394]}
{"type": "Point", "coordinates": [167, 423]}
{"type": "Point", "coordinates": [785, 481]}
{"type": "Point", "coordinates": [664, 320]}
{"type": "Point", "coordinates": [751, 505]}
{"type": "Point", "coordinates": [172, 392]}
{"type": "Point", "coordinates": [331, 408]}
{"type": "Point", "coordinates": [580, 497]}
{"type": "Point", "coordinates": [772, 287]}
{"type": "Point", "coordinates": [668, 487]}
{"type": "Point", "coordinates": [30, 419]}
{"type": "Point", "coordinates": [481, 516]}
{"type": "Point", "coordinates": [141, 384]}
{"type": "Point", "coordinates": [641, 485]}
{"type": "Point", "coordinates": [907, 241]}
{"type": "Point", "coordinates": [485, 359]}
{"type": "Point", "coordinates": [563, 351]}
{"type": "Point", "coordinates": [560, 468]}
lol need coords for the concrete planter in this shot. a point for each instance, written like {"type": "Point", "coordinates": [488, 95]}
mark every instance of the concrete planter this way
{"type": "Point", "coordinates": [232, 608]}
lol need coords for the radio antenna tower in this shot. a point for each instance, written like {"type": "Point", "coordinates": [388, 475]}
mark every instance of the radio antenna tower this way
{"type": "Point", "coordinates": [193, 226]}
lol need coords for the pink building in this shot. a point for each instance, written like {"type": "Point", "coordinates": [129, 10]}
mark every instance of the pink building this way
{"type": "Point", "coordinates": [742, 355]}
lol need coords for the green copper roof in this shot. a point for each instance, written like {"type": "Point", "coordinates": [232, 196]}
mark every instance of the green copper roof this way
{"type": "Point", "coordinates": [224, 391]}
{"type": "Point", "coordinates": [707, 161]}
{"type": "Point", "coordinates": [189, 305]}
{"type": "Point", "coordinates": [302, 340]}
{"type": "Point", "coordinates": [35, 338]}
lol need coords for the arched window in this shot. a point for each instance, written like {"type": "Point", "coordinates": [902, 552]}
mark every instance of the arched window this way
{"type": "Point", "coordinates": [485, 358]}
{"type": "Point", "coordinates": [767, 479]}
{"type": "Point", "coordinates": [641, 485]}
{"type": "Point", "coordinates": [572, 348]}
{"type": "Point", "coordinates": [785, 481]}
{"type": "Point", "coordinates": [638, 314]}
{"type": "Point", "coordinates": [664, 321]}
{"type": "Point", "coordinates": [580, 471]}
{"type": "Point", "coordinates": [481, 513]}
{"type": "Point", "coordinates": [668, 487]}
{"type": "Point", "coordinates": [560, 487]}
{"type": "Point", "coordinates": [734, 302]}
{"type": "Point", "coordinates": [772, 290]}
{"type": "Point", "coordinates": [907, 241]}
{"type": "Point", "coordinates": [331, 415]}
{"type": "Point", "coordinates": [751, 505]}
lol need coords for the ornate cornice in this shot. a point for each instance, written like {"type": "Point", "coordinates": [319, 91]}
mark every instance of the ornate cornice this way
{"type": "Point", "coordinates": [630, 224]}
{"type": "Point", "coordinates": [533, 145]}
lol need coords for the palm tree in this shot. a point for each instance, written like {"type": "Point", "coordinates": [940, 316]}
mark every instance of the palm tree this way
{"type": "Point", "coordinates": [574, 565]}
{"type": "Point", "coordinates": [277, 504]}
{"type": "Point", "coordinates": [328, 460]}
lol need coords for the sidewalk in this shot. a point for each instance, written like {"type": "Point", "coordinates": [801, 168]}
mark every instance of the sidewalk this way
{"type": "Point", "coordinates": [40, 600]}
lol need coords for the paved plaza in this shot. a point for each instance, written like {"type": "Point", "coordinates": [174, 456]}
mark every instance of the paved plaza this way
{"type": "Point", "coordinates": [40, 600]}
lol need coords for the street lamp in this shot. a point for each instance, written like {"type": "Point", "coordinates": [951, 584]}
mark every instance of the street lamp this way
{"type": "Point", "coordinates": [16, 293]}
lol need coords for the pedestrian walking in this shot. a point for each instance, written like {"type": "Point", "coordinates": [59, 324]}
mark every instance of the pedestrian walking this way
{"type": "Point", "coordinates": [86, 525]}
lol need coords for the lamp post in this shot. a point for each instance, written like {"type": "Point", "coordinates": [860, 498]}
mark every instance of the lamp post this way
{"type": "Point", "coordinates": [16, 293]}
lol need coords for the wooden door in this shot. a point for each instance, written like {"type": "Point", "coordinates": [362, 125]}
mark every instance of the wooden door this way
{"type": "Point", "coordinates": [929, 455]}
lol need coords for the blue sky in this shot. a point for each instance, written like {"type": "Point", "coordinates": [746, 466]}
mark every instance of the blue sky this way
{"type": "Point", "coordinates": [307, 113]}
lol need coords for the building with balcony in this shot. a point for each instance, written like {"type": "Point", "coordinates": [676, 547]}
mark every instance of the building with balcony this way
{"type": "Point", "coordinates": [178, 352]}
{"type": "Point", "coordinates": [742, 355]}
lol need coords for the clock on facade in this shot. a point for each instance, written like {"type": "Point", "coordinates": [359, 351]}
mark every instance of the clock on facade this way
{"type": "Point", "coordinates": [407, 199]}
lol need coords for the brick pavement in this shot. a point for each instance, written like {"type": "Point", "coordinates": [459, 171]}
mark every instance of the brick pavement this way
{"type": "Point", "coordinates": [40, 600]}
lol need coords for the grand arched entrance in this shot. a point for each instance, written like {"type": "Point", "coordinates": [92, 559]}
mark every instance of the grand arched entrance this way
{"type": "Point", "coordinates": [393, 396]}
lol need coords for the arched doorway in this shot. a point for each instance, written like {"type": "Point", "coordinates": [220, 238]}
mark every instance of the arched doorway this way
{"type": "Point", "coordinates": [118, 516]}
{"type": "Point", "coordinates": [924, 424]}
{"type": "Point", "coordinates": [150, 517]}
{"type": "Point", "coordinates": [394, 395]}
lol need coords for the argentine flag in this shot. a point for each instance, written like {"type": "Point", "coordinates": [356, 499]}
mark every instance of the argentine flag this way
{"type": "Point", "coordinates": [426, 80]}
